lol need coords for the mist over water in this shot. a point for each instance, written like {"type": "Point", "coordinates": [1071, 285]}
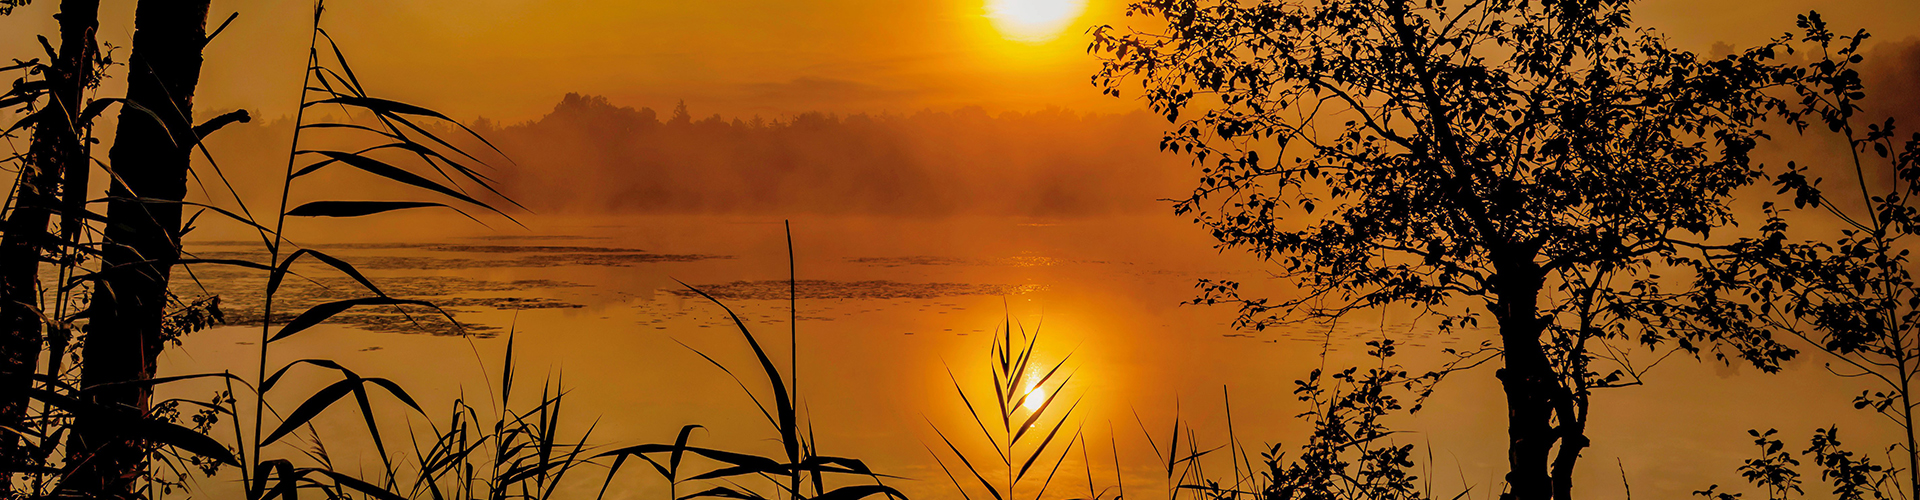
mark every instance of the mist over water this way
{"type": "Point", "coordinates": [916, 236]}
{"type": "Point", "coordinates": [591, 156]}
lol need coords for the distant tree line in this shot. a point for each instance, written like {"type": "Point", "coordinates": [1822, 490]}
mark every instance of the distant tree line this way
{"type": "Point", "coordinates": [591, 155]}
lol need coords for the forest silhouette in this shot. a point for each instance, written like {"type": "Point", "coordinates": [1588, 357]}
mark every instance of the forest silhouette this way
{"type": "Point", "coordinates": [618, 159]}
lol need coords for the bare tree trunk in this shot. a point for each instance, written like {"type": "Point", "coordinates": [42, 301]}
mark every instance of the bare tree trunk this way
{"type": "Point", "coordinates": [150, 160]}
{"type": "Point", "coordinates": [73, 224]}
{"type": "Point", "coordinates": [1572, 432]}
{"type": "Point", "coordinates": [1906, 415]}
{"type": "Point", "coordinates": [1527, 377]}
{"type": "Point", "coordinates": [56, 149]}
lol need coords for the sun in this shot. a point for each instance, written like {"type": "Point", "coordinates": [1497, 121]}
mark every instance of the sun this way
{"type": "Point", "coordinates": [1033, 21]}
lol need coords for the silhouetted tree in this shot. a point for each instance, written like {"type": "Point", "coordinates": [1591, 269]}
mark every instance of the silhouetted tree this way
{"type": "Point", "coordinates": [56, 156]}
{"type": "Point", "coordinates": [149, 160]}
{"type": "Point", "coordinates": [1854, 297]}
{"type": "Point", "coordinates": [680, 114]}
{"type": "Point", "coordinates": [1545, 159]}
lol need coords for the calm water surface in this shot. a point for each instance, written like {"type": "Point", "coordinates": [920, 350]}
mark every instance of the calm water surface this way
{"type": "Point", "coordinates": [887, 307]}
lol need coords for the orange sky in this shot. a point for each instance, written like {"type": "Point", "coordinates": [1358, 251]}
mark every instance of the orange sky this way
{"type": "Point", "coordinates": [512, 60]}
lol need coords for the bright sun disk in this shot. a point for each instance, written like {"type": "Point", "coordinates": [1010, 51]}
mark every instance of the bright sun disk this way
{"type": "Point", "coordinates": [1033, 21]}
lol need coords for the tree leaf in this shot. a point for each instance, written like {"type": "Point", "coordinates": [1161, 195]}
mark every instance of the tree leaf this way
{"type": "Point", "coordinates": [166, 433]}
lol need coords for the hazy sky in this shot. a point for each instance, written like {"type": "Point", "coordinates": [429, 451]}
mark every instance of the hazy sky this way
{"type": "Point", "coordinates": [512, 60]}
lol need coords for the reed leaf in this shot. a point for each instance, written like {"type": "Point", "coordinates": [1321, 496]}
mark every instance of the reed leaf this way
{"type": "Point", "coordinates": [268, 384]}
{"type": "Point", "coordinates": [859, 491]}
{"type": "Point", "coordinates": [949, 472]}
{"type": "Point", "coordinates": [724, 492]}
{"type": "Point", "coordinates": [783, 404]}
{"type": "Point", "coordinates": [397, 174]}
{"type": "Point", "coordinates": [161, 380]}
{"type": "Point", "coordinates": [286, 267]}
{"type": "Point", "coordinates": [361, 486]}
{"type": "Point", "coordinates": [1009, 362]}
{"type": "Point", "coordinates": [1042, 448]}
{"type": "Point", "coordinates": [355, 208]}
{"type": "Point", "coordinates": [974, 413]}
{"type": "Point", "coordinates": [969, 464]}
{"type": "Point", "coordinates": [316, 314]}
{"type": "Point", "coordinates": [138, 266]}
{"type": "Point", "coordinates": [324, 398]}
{"type": "Point", "coordinates": [1041, 412]}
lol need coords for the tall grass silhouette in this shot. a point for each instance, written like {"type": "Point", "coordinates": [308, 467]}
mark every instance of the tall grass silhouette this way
{"type": "Point", "coordinates": [507, 453]}
{"type": "Point", "coordinates": [1350, 452]}
{"type": "Point", "coordinates": [800, 472]}
{"type": "Point", "coordinates": [1021, 423]}
{"type": "Point", "coordinates": [334, 84]}
{"type": "Point", "coordinates": [397, 130]}
{"type": "Point", "coordinates": [515, 451]}
{"type": "Point", "coordinates": [329, 81]}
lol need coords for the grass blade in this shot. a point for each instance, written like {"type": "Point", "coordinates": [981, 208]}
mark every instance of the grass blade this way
{"type": "Point", "coordinates": [355, 208]}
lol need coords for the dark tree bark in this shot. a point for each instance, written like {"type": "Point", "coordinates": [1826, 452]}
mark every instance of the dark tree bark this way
{"type": "Point", "coordinates": [1541, 412]}
{"type": "Point", "coordinates": [1572, 431]}
{"type": "Point", "coordinates": [73, 206]}
{"type": "Point", "coordinates": [1528, 378]}
{"type": "Point", "coordinates": [142, 239]}
{"type": "Point", "coordinates": [56, 151]}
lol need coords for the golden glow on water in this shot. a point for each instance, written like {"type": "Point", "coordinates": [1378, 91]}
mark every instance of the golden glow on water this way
{"type": "Point", "coordinates": [1033, 21]}
{"type": "Point", "coordinates": [871, 367]}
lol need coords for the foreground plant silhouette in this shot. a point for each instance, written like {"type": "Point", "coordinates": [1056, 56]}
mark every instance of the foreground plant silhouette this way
{"type": "Point", "coordinates": [1543, 160]}
{"type": "Point", "coordinates": [334, 84]}
{"type": "Point", "coordinates": [53, 176]}
{"type": "Point", "coordinates": [801, 468]}
{"type": "Point", "coordinates": [1349, 453]}
{"type": "Point", "coordinates": [1019, 433]}
{"type": "Point", "coordinates": [1853, 297]}
{"type": "Point", "coordinates": [507, 453]}
{"type": "Point", "coordinates": [139, 233]}
{"type": "Point", "coordinates": [121, 446]}
{"type": "Point", "coordinates": [57, 159]}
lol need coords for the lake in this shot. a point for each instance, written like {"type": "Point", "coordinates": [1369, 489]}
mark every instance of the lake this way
{"type": "Point", "coordinates": [887, 306]}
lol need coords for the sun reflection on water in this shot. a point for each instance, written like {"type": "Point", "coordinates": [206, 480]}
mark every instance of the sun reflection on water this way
{"type": "Point", "coordinates": [1036, 396]}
